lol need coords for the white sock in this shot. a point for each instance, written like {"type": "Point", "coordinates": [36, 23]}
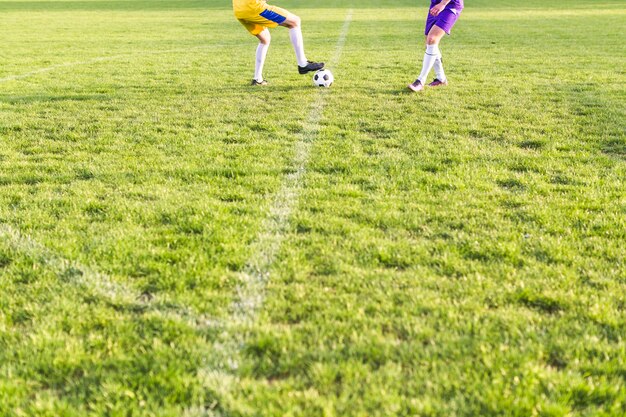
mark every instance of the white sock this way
{"type": "Point", "coordinates": [438, 67]}
{"type": "Point", "coordinates": [298, 45]}
{"type": "Point", "coordinates": [261, 53]}
{"type": "Point", "coordinates": [432, 53]}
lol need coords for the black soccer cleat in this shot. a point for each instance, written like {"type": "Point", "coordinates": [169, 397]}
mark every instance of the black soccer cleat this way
{"type": "Point", "coordinates": [262, 82]}
{"type": "Point", "coordinates": [310, 67]}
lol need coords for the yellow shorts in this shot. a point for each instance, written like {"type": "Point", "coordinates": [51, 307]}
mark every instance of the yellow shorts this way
{"type": "Point", "coordinates": [256, 15]}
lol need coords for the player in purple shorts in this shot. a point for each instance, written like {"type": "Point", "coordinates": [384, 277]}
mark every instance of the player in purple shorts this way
{"type": "Point", "coordinates": [441, 18]}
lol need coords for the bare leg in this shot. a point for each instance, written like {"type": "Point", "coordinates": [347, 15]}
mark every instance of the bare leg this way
{"type": "Point", "coordinates": [261, 52]}
{"type": "Point", "coordinates": [432, 51]}
{"type": "Point", "coordinates": [295, 34]}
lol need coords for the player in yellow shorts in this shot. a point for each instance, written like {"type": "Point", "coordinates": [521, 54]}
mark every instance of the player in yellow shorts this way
{"type": "Point", "coordinates": [257, 16]}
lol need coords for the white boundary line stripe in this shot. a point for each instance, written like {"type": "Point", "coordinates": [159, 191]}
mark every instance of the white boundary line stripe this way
{"type": "Point", "coordinates": [101, 284]}
{"type": "Point", "coordinates": [250, 296]}
{"type": "Point", "coordinates": [250, 291]}
{"type": "Point", "coordinates": [96, 60]}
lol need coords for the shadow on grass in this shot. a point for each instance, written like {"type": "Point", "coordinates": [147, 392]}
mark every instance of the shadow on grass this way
{"type": "Point", "coordinates": [600, 116]}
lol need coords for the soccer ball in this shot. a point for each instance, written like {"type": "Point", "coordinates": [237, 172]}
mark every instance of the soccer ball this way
{"type": "Point", "coordinates": [323, 78]}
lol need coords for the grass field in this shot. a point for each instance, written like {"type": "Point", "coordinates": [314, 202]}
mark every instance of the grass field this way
{"type": "Point", "coordinates": [174, 242]}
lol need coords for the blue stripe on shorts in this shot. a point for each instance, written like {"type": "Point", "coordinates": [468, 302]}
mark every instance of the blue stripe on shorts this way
{"type": "Point", "coordinates": [273, 16]}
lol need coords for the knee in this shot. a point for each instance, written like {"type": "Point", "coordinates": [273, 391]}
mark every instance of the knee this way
{"type": "Point", "coordinates": [432, 40]}
{"type": "Point", "coordinates": [265, 38]}
{"type": "Point", "coordinates": [295, 22]}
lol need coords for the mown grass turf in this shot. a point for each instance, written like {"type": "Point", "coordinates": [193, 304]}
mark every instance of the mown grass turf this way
{"type": "Point", "coordinates": [459, 252]}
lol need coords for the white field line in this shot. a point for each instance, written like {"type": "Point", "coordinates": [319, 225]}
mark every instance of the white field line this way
{"type": "Point", "coordinates": [219, 375]}
{"type": "Point", "coordinates": [96, 60]}
{"type": "Point", "coordinates": [101, 284]}
{"type": "Point", "coordinates": [251, 288]}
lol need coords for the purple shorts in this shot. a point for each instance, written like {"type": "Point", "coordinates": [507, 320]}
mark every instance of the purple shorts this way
{"type": "Point", "coordinates": [445, 20]}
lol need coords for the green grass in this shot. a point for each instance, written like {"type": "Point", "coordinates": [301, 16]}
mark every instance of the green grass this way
{"type": "Point", "coordinates": [454, 253]}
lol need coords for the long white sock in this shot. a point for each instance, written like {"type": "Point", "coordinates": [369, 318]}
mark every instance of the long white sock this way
{"type": "Point", "coordinates": [295, 34]}
{"type": "Point", "coordinates": [432, 53]}
{"type": "Point", "coordinates": [438, 67]}
{"type": "Point", "coordinates": [261, 53]}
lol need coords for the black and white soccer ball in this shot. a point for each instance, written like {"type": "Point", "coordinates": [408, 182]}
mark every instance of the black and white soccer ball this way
{"type": "Point", "coordinates": [323, 78]}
